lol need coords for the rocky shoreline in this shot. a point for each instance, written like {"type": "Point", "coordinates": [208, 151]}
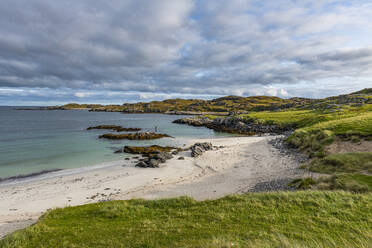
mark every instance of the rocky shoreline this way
{"type": "Point", "coordinates": [234, 124]}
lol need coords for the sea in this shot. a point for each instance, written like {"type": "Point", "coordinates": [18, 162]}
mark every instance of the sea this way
{"type": "Point", "coordinates": [33, 141]}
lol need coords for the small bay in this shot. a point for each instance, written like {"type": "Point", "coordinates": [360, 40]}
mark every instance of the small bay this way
{"type": "Point", "coordinates": [36, 140]}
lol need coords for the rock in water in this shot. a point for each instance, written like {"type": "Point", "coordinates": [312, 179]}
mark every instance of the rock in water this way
{"type": "Point", "coordinates": [134, 136]}
{"type": "Point", "coordinates": [116, 128]}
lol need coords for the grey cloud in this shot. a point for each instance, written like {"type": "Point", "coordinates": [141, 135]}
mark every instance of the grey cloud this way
{"type": "Point", "coordinates": [168, 47]}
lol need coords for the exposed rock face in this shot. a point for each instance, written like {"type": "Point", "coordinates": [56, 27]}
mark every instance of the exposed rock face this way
{"type": "Point", "coordinates": [194, 121]}
{"type": "Point", "coordinates": [233, 125]}
{"type": "Point", "coordinates": [116, 128]}
{"type": "Point", "coordinates": [244, 126]}
{"type": "Point", "coordinates": [154, 160]}
{"type": "Point", "coordinates": [134, 136]}
{"type": "Point", "coordinates": [146, 150]}
{"type": "Point", "coordinates": [199, 148]}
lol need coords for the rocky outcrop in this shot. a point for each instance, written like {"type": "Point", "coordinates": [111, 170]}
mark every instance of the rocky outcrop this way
{"type": "Point", "coordinates": [199, 148]}
{"type": "Point", "coordinates": [194, 121]}
{"type": "Point", "coordinates": [233, 125]}
{"type": "Point", "coordinates": [154, 160]}
{"type": "Point", "coordinates": [195, 113]}
{"type": "Point", "coordinates": [134, 136]}
{"type": "Point", "coordinates": [116, 128]}
{"type": "Point", "coordinates": [146, 150]}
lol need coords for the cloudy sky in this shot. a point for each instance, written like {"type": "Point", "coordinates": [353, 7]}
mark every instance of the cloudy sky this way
{"type": "Point", "coordinates": [116, 51]}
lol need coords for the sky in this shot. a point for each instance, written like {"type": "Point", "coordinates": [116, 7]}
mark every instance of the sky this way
{"type": "Point", "coordinates": [111, 52]}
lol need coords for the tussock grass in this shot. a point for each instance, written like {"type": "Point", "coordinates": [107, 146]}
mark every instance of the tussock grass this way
{"type": "Point", "coordinates": [348, 171]}
{"type": "Point", "coordinates": [358, 183]}
{"type": "Point", "coordinates": [295, 219]}
{"type": "Point", "coordinates": [343, 162]}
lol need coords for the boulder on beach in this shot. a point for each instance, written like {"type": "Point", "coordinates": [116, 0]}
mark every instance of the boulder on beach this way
{"type": "Point", "coordinates": [154, 161]}
{"type": "Point", "coordinates": [134, 136]}
{"type": "Point", "coordinates": [116, 128]}
{"type": "Point", "coordinates": [145, 150]}
{"type": "Point", "coordinates": [199, 148]}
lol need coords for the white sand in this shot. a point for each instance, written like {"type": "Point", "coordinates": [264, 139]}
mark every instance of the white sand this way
{"type": "Point", "coordinates": [243, 164]}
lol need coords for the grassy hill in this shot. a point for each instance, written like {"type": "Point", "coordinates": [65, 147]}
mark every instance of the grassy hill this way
{"type": "Point", "coordinates": [228, 104]}
{"type": "Point", "coordinates": [297, 219]}
{"type": "Point", "coordinates": [223, 105]}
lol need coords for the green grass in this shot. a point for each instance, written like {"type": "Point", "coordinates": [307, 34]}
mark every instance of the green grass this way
{"type": "Point", "coordinates": [358, 183]}
{"type": "Point", "coordinates": [295, 219]}
{"type": "Point", "coordinates": [343, 162]}
{"type": "Point", "coordinates": [292, 117]}
{"type": "Point", "coordinates": [313, 143]}
{"type": "Point", "coordinates": [349, 171]}
{"type": "Point", "coordinates": [358, 125]}
{"type": "Point", "coordinates": [314, 138]}
{"type": "Point", "coordinates": [312, 119]}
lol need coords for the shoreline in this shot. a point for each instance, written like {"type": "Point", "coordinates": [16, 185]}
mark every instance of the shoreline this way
{"type": "Point", "coordinates": [244, 164]}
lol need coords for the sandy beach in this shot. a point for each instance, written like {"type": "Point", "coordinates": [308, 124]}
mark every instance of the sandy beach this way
{"type": "Point", "coordinates": [244, 164]}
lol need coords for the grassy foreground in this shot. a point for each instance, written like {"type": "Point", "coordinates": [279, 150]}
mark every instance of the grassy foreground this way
{"type": "Point", "coordinates": [297, 219]}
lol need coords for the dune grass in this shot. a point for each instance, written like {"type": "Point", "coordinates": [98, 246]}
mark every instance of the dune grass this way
{"type": "Point", "coordinates": [343, 162]}
{"type": "Point", "coordinates": [357, 183]}
{"type": "Point", "coordinates": [294, 219]}
{"type": "Point", "coordinates": [358, 125]}
{"type": "Point", "coordinates": [314, 138]}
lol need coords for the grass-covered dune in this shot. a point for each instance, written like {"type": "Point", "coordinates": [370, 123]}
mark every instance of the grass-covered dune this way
{"type": "Point", "coordinates": [295, 219]}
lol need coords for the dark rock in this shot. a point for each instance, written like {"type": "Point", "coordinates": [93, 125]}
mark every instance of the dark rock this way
{"type": "Point", "coordinates": [162, 156]}
{"type": "Point", "coordinates": [198, 148]}
{"type": "Point", "coordinates": [181, 158]}
{"type": "Point", "coordinates": [153, 163]}
{"type": "Point", "coordinates": [116, 128]}
{"type": "Point", "coordinates": [142, 164]}
{"type": "Point", "coordinates": [154, 160]}
{"type": "Point", "coordinates": [194, 121]}
{"type": "Point", "coordinates": [134, 136]}
{"type": "Point", "coordinates": [146, 150]}
{"type": "Point", "coordinates": [127, 158]}
{"type": "Point", "coordinates": [233, 124]}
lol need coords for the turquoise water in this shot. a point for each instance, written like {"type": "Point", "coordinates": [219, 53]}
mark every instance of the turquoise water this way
{"type": "Point", "coordinates": [33, 141]}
